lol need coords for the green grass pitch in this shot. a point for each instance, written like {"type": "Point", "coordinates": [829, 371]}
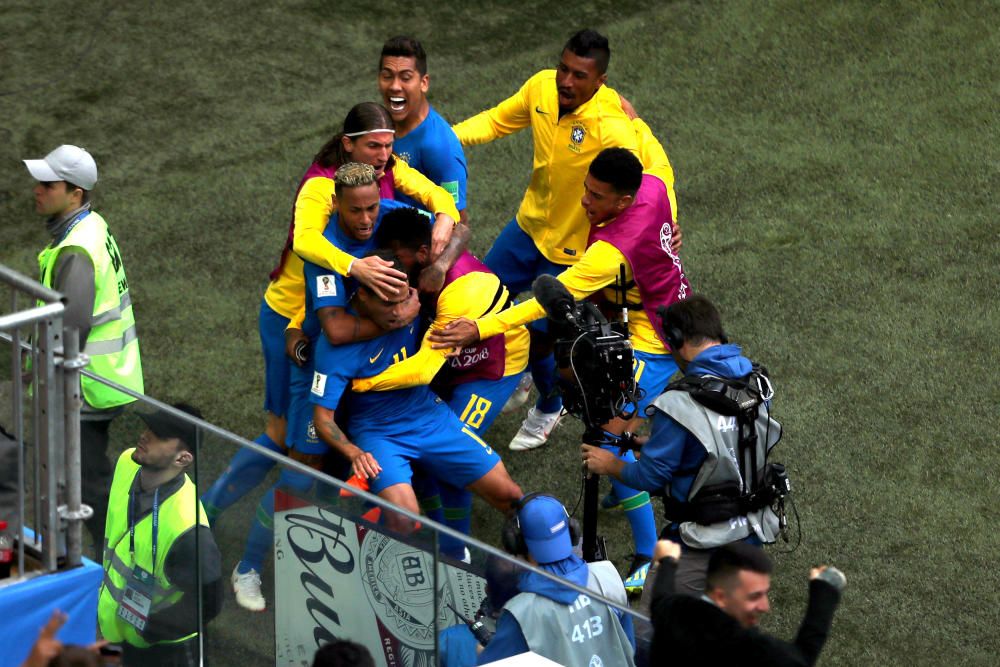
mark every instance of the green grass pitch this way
{"type": "Point", "coordinates": [837, 174]}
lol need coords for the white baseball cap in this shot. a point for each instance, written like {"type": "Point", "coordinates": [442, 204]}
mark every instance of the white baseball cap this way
{"type": "Point", "coordinates": [66, 163]}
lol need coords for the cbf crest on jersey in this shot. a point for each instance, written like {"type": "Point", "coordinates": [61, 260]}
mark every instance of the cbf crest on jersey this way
{"type": "Point", "coordinates": [576, 136]}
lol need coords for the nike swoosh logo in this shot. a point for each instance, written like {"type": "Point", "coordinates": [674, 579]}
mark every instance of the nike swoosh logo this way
{"type": "Point", "coordinates": [372, 360]}
{"type": "Point", "coordinates": [538, 109]}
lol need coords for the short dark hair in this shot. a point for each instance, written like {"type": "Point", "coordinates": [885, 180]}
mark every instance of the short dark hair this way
{"type": "Point", "coordinates": [402, 46]}
{"type": "Point", "coordinates": [406, 227]}
{"type": "Point", "coordinates": [343, 653]}
{"type": "Point", "coordinates": [591, 44]}
{"type": "Point", "coordinates": [85, 199]}
{"type": "Point", "coordinates": [725, 564]}
{"type": "Point", "coordinates": [696, 318]}
{"type": "Point", "coordinates": [619, 168]}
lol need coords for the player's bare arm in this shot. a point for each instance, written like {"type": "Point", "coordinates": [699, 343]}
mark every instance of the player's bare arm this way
{"type": "Point", "coordinates": [444, 226]}
{"type": "Point", "coordinates": [432, 276]}
{"type": "Point", "coordinates": [363, 464]}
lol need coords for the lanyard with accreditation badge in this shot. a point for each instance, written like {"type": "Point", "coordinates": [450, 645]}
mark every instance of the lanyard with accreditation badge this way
{"type": "Point", "coordinates": [138, 596]}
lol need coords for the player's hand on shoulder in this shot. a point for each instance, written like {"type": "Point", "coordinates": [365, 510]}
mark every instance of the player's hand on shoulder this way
{"type": "Point", "coordinates": [628, 108]}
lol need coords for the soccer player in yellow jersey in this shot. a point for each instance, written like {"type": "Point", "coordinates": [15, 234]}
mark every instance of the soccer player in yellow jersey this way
{"type": "Point", "coordinates": [572, 116]}
{"type": "Point", "coordinates": [631, 229]}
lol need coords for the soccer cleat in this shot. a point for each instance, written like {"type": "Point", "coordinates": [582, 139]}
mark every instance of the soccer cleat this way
{"type": "Point", "coordinates": [637, 574]}
{"type": "Point", "coordinates": [520, 395]}
{"type": "Point", "coordinates": [247, 589]}
{"type": "Point", "coordinates": [611, 502]}
{"type": "Point", "coordinates": [535, 430]}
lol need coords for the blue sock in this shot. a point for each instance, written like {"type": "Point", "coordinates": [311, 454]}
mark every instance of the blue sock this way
{"type": "Point", "coordinates": [458, 516]}
{"type": "Point", "coordinates": [543, 372]}
{"type": "Point", "coordinates": [246, 470]}
{"type": "Point", "coordinates": [638, 511]}
{"type": "Point", "coordinates": [261, 536]}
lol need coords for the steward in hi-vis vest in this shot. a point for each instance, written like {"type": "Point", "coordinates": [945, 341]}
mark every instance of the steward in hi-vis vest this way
{"type": "Point", "coordinates": [112, 344]}
{"type": "Point", "coordinates": [83, 263]}
{"type": "Point", "coordinates": [157, 536]}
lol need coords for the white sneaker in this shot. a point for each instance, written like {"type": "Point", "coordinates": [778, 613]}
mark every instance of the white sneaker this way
{"type": "Point", "coordinates": [535, 430]}
{"type": "Point", "coordinates": [247, 589]}
{"type": "Point", "coordinates": [520, 395]}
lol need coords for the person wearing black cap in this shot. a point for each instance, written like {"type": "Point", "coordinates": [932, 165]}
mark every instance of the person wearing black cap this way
{"type": "Point", "coordinates": [83, 263]}
{"type": "Point", "coordinates": [550, 619]}
{"type": "Point", "coordinates": [148, 601]}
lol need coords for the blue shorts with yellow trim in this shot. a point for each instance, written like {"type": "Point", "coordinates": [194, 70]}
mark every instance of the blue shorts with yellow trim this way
{"type": "Point", "coordinates": [277, 365]}
{"type": "Point", "coordinates": [478, 403]}
{"type": "Point", "coordinates": [439, 443]}
{"type": "Point", "coordinates": [652, 372]}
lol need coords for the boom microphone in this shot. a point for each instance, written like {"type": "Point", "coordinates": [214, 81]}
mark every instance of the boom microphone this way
{"type": "Point", "coordinates": [554, 298]}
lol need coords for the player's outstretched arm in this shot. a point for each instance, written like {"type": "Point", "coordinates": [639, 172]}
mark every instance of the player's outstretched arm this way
{"type": "Point", "coordinates": [363, 464]}
{"type": "Point", "coordinates": [511, 115]}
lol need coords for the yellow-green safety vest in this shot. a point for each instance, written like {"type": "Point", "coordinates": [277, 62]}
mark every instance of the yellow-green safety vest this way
{"type": "Point", "coordinates": [113, 345]}
{"type": "Point", "coordinates": [176, 517]}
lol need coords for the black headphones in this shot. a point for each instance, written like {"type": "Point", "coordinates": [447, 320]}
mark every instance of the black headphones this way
{"type": "Point", "coordinates": [513, 539]}
{"type": "Point", "coordinates": [672, 335]}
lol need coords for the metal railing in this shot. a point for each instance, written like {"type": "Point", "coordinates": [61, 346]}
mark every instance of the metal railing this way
{"type": "Point", "coordinates": [52, 353]}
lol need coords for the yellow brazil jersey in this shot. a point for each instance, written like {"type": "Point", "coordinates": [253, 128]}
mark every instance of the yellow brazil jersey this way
{"type": "Point", "coordinates": [470, 296]}
{"type": "Point", "coordinates": [313, 207]}
{"type": "Point", "coordinates": [598, 269]}
{"type": "Point", "coordinates": [563, 149]}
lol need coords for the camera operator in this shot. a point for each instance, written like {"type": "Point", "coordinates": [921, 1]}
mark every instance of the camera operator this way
{"type": "Point", "coordinates": [721, 627]}
{"type": "Point", "coordinates": [631, 240]}
{"type": "Point", "coordinates": [549, 619]}
{"type": "Point", "coordinates": [691, 455]}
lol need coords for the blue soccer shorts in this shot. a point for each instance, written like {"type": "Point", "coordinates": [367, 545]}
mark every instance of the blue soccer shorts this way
{"type": "Point", "coordinates": [439, 443]}
{"type": "Point", "coordinates": [277, 365]}
{"type": "Point", "coordinates": [652, 372]}
{"type": "Point", "coordinates": [301, 434]}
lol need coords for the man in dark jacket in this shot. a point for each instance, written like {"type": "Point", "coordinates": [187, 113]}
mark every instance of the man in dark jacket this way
{"type": "Point", "coordinates": [720, 627]}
